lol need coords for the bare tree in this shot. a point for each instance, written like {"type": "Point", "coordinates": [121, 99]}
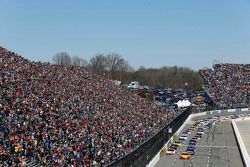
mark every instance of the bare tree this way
{"type": "Point", "coordinates": [122, 70]}
{"type": "Point", "coordinates": [98, 64]}
{"type": "Point", "coordinates": [56, 59]}
{"type": "Point", "coordinates": [115, 63]}
{"type": "Point", "coordinates": [124, 66]}
{"type": "Point", "coordinates": [77, 61]}
{"type": "Point", "coordinates": [62, 58]}
{"type": "Point", "coordinates": [112, 60]}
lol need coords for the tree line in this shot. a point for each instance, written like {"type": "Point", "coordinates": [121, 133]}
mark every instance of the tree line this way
{"type": "Point", "coordinates": [115, 67]}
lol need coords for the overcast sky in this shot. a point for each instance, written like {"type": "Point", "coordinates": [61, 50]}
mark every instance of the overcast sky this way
{"type": "Point", "coordinates": [152, 33]}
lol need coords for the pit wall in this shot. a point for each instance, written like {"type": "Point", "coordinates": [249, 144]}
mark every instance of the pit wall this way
{"type": "Point", "coordinates": [157, 157]}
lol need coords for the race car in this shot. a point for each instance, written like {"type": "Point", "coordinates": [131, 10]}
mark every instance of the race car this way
{"type": "Point", "coordinates": [178, 143]}
{"type": "Point", "coordinates": [200, 132]}
{"type": "Point", "coordinates": [185, 156]}
{"type": "Point", "coordinates": [191, 149]}
{"type": "Point", "coordinates": [198, 135]}
{"type": "Point", "coordinates": [192, 127]}
{"type": "Point", "coordinates": [188, 131]}
{"type": "Point", "coordinates": [183, 137]}
{"type": "Point", "coordinates": [196, 139]}
{"type": "Point", "coordinates": [174, 146]}
{"type": "Point", "coordinates": [192, 143]}
{"type": "Point", "coordinates": [171, 151]}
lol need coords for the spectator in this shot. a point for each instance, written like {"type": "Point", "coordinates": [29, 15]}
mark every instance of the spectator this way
{"type": "Point", "coordinates": [228, 84]}
{"type": "Point", "coordinates": [61, 115]}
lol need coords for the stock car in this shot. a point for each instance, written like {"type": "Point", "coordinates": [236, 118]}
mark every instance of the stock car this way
{"type": "Point", "coordinates": [215, 118]}
{"type": "Point", "coordinates": [191, 150]}
{"type": "Point", "coordinates": [185, 156]}
{"type": "Point", "coordinates": [173, 146]}
{"type": "Point", "coordinates": [200, 132]}
{"type": "Point", "coordinates": [198, 135]}
{"type": "Point", "coordinates": [192, 127]}
{"type": "Point", "coordinates": [188, 131]}
{"type": "Point", "coordinates": [204, 128]}
{"type": "Point", "coordinates": [183, 137]}
{"type": "Point", "coordinates": [171, 151]}
{"type": "Point", "coordinates": [203, 122]}
{"type": "Point", "coordinates": [234, 117]}
{"type": "Point", "coordinates": [192, 143]}
{"type": "Point", "coordinates": [178, 143]}
{"type": "Point", "coordinates": [196, 139]}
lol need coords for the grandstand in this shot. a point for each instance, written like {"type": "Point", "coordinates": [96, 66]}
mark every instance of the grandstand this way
{"type": "Point", "coordinates": [57, 115]}
{"type": "Point", "coordinates": [53, 115]}
{"type": "Point", "coordinates": [228, 84]}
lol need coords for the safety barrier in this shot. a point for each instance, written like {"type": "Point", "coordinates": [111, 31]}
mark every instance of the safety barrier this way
{"type": "Point", "coordinates": [147, 151]}
{"type": "Point", "coordinates": [241, 145]}
{"type": "Point", "coordinates": [225, 111]}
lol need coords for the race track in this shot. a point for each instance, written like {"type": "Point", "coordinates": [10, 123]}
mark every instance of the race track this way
{"type": "Point", "coordinates": [217, 148]}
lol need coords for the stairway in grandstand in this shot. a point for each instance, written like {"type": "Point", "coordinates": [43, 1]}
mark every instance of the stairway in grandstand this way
{"type": "Point", "coordinates": [32, 163]}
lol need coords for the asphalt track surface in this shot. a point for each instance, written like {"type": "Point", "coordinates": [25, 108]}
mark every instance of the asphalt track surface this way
{"type": "Point", "coordinates": [217, 148]}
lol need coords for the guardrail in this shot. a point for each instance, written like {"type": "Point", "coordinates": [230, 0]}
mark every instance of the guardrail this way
{"type": "Point", "coordinates": [241, 145]}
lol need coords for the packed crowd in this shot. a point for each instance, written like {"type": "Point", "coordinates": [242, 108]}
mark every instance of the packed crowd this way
{"type": "Point", "coordinates": [228, 84]}
{"type": "Point", "coordinates": [62, 115]}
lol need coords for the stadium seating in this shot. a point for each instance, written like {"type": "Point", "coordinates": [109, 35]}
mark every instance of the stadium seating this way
{"type": "Point", "coordinates": [57, 115]}
{"type": "Point", "coordinates": [228, 84]}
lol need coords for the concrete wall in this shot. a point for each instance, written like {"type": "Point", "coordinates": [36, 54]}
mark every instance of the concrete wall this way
{"type": "Point", "coordinates": [241, 145]}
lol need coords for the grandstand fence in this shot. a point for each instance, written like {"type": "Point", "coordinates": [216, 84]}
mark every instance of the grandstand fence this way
{"type": "Point", "coordinates": [143, 154]}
